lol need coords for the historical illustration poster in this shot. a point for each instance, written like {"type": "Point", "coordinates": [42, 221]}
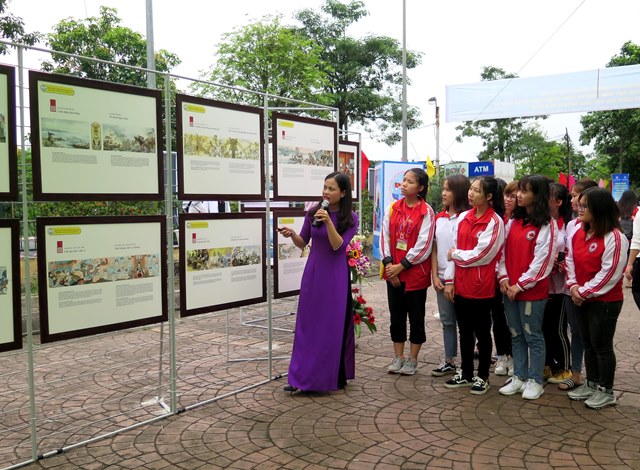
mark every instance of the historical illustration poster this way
{"type": "Point", "coordinates": [220, 150]}
{"type": "Point", "coordinates": [100, 274]}
{"type": "Point", "coordinates": [304, 153]}
{"type": "Point", "coordinates": [95, 140]}
{"type": "Point", "coordinates": [290, 260]}
{"type": "Point", "coordinates": [224, 261]}
{"type": "Point", "coordinates": [8, 155]}
{"type": "Point", "coordinates": [10, 316]}
{"type": "Point", "coordinates": [349, 163]}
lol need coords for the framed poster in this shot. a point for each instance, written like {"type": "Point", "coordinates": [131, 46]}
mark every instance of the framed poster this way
{"type": "Point", "coordinates": [94, 141]}
{"type": "Point", "coordinates": [220, 150]}
{"type": "Point", "coordinates": [8, 146]}
{"type": "Point", "coordinates": [100, 274]}
{"type": "Point", "coordinates": [305, 152]}
{"type": "Point", "coordinates": [224, 261]}
{"type": "Point", "coordinates": [290, 261]}
{"type": "Point", "coordinates": [349, 163]}
{"type": "Point", "coordinates": [10, 299]}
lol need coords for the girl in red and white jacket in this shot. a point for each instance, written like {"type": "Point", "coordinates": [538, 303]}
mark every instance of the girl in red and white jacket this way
{"type": "Point", "coordinates": [595, 264]}
{"type": "Point", "coordinates": [523, 273]}
{"type": "Point", "coordinates": [470, 279]}
{"type": "Point", "coordinates": [405, 243]}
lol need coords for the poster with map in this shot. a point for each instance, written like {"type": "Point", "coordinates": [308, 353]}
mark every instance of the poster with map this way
{"type": "Point", "coordinates": [100, 274]}
{"type": "Point", "coordinates": [8, 146]}
{"type": "Point", "coordinates": [95, 140]}
{"type": "Point", "coordinates": [10, 301]}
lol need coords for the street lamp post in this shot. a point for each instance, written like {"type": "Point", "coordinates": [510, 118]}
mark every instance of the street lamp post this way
{"type": "Point", "coordinates": [404, 81]}
{"type": "Point", "coordinates": [435, 101]}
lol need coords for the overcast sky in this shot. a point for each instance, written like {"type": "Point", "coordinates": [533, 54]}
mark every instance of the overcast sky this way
{"type": "Point", "coordinates": [457, 38]}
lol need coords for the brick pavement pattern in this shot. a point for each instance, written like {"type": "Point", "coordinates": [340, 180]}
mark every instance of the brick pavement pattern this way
{"type": "Point", "coordinates": [380, 420]}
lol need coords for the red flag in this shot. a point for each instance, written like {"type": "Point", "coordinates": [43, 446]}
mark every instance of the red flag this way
{"type": "Point", "coordinates": [562, 179]}
{"type": "Point", "coordinates": [572, 181]}
{"type": "Point", "coordinates": [364, 169]}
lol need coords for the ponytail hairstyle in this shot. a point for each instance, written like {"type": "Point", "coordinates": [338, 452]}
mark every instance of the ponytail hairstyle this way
{"type": "Point", "coordinates": [491, 186]}
{"type": "Point", "coordinates": [540, 213]}
{"type": "Point", "coordinates": [559, 192]}
{"type": "Point", "coordinates": [423, 180]}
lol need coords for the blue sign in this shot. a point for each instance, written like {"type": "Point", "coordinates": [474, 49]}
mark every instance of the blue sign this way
{"type": "Point", "coordinates": [619, 184]}
{"type": "Point", "coordinates": [480, 169]}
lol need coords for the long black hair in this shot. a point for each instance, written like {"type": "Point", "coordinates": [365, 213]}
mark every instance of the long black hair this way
{"type": "Point", "coordinates": [459, 186]}
{"type": "Point", "coordinates": [423, 179]}
{"type": "Point", "coordinates": [345, 216]}
{"type": "Point", "coordinates": [627, 203]}
{"type": "Point", "coordinates": [559, 192]}
{"type": "Point", "coordinates": [540, 213]}
{"type": "Point", "coordinates": [604, 210]}
{"type": "Point", "coordinates": [491, 186]}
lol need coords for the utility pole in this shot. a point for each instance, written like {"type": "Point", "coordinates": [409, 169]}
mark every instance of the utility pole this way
{"type": "Point", "coordinates": [566, 136]}
{"type": "Point", "coordinates": [404, 80]}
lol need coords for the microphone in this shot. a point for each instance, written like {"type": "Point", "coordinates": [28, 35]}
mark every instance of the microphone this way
{"type": "Point", "coordinates": [324, 205]}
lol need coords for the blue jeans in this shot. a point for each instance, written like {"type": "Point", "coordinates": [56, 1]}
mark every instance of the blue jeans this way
{"type": "Point", "coordinates": [577, 349]}
{"type": "Point", "coordinates": [449, 329]}
{"type": "Point", "coordinates": [524, 318]}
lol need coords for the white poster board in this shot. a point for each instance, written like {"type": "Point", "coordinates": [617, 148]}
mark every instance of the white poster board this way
{"type": "Point", "coordinates": [223, 261]}
{"type": "Point", "coordinates": [8, 162]}
{"type": "Point", "coordinates": [94, 140]}
{"type": "Point", "coordinates": [220, 150]}
{"type": "Point", "coordinates": [100, 274]}
{"type": "Point", "coordinates": [305, 152]}
{"type": "Point", "coordinates": [10, 318]}
{"type": "Point", "coordinates": [290, 261]}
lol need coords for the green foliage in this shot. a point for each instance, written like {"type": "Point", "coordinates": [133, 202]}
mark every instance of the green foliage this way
{"type": "Point", "coordinates": [269, 58]}
{"type": "Point", "coordinates": [104, 38]}
{"type": "Point", "coordinates": [619, 128]}
{"type": "Point", "coordinates": [12, 29]}
{"type": "Point", "coordinates": [434, 195]}
{"type": "Point", "coordinates": [364, 75]}
{"type": "Point", "coordinates": [367, 213]}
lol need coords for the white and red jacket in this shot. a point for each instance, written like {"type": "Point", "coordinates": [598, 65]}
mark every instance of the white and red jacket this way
{"type": "Point", "coordinates": [527, 258]}
{"type": "Point", "coordinates": [596, 264]}
{"type": "Point", "coordinates": [478, 243]}
{"type": "Point", "coordinates": [419, 224]}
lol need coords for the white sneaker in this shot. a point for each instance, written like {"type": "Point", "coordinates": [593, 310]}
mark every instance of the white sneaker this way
{"type": "Point", "coordinates": [532, 390]}
{"type": "Point", "coordinates": [514, 386]}
{"type": "Point", "coordinates": [510, 366]}
{"type": "Point", "coordinates": [396, 365]}
{"type": "Point", "coordinates": [501, 366]}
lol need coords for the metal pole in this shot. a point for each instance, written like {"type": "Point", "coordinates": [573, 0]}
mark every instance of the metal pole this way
{"type": "Point", "coordinates": [151, 59]}
{"type": "Point", "coordinates": [267, 196]}
{"type": "Point", "coordinates": [404, 80]}
{"type": "Point", "coordinates": [437, 142]}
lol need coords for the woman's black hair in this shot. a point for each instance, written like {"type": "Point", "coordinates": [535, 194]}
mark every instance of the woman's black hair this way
{"type": "Point", "coordinates": [490, 185]}
{"type": "Point", "coordinates": [345, 216]}
{"type": "Point", "coordinates": [540, 213]}
{"type": "Point", "coordinates": [423, 180]}
{"type": "Point", "coordinates": [459, 186]}
{"type": "Point", "coordinates": [627, 203]}
{"type": "Point", "coordinates": [559, 192]}
{"type": "Point", "coordinates": [604, 211]}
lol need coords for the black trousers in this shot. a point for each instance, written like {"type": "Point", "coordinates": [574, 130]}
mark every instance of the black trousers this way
{"type": "Point", "coordinates": [501, 333]}
{"type": "Point", "coordinates": [404, 304]}
{"type": "Point", "coordinates": [554, 328]}
{"type": "Point", "coordinates": [474, 324]}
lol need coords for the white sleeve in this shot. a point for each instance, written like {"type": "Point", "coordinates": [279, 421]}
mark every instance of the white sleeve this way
{"type": "Point", "coordinates": [569, 265]}
{"type": "Point", "coordinates": [385, 249]}
{"type": "Point", "coordinates": [613, 262]}
{"type": "Point", "coordinates": [489, 245]}
{"type": "Point", "coordinates": [450, 269]}
{"type": "Point", "coordinates": [635, 239]}
{"type": "Point", "coordinates": [502, 266]}
{"type": "Point", "coordinates": [422, 249]}
{"type": "Point", "coordinates": [543, 256]}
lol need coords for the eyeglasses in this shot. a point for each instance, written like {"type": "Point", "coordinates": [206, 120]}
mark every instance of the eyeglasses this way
{"type": "Point", "coordinates": [510, 196]}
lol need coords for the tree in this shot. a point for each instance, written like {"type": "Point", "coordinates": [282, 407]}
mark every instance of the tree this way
{"type": "Point", "coordinates": [12, 29]}
{"type": "Point", "coordinates": [265, 57]}
{"type": "Point", "coordinates": [364, 75]}
{"type": "Point", "coordinates": [616, 134]}
{"type": "Point", "coordinates": [506, 139]}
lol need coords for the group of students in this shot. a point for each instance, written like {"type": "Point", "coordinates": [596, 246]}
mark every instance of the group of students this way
{"type": "Point", "coordinates": [509, 257]}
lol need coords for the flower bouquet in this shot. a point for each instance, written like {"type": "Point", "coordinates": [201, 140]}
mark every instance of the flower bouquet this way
{"type": "Point", "coordinates": [359, 266]}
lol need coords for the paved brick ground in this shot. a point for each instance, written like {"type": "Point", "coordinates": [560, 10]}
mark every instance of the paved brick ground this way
{"type": "Point", "coordinates": [379, 421]}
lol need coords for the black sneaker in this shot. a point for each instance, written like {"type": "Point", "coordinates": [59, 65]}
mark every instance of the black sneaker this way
{"type": "Point", "coordinates": [458, 381]}
{"type": "Point", "coordinates": [480, 386]}
{"type": "Point", "coordinates": [446, 368]}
